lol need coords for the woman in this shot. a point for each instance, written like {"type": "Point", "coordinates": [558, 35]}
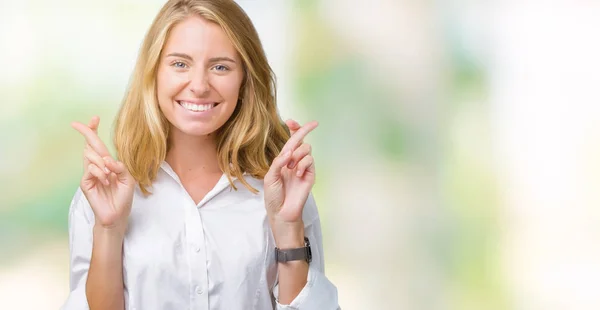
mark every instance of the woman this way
{"type": "Point", "coordinates": [208, 185]}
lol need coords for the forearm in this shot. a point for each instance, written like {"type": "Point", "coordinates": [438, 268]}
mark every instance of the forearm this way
{"type": "Point", "coordinates": [292, 279]}
{"type": "Point", "coordinates": [293, 274]}
{"type": "Point", "coordinates": [104, 287]}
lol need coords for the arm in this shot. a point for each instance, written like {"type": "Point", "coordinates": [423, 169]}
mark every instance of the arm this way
{"type": "Point", "coordinates": [316, 292]}
{"type": "Point", "coordinates": [292, 275]}
{"type": "Point", "coordinates": [106, 195]}
{"type": "Point", "coordinates": [95, 261]}
{"type": "Point", "coordinates": [289, 204]}
{"type": "Point", "coordinates": [104, 288]}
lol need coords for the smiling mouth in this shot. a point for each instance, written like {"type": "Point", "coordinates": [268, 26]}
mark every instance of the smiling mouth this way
{"type": "Point", "coordinates": [197, 107]}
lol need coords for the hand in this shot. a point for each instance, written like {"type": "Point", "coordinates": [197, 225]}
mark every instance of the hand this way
{"type": "Point", "coordinates": [290, 178]}
{"type": "Point", "coordinates": [106, 183]}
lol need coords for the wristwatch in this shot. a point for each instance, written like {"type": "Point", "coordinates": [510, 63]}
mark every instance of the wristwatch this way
{"type": "Point", "coordinates": [287, 255]}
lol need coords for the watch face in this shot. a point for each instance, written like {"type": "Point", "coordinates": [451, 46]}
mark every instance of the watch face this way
{"type": "Point", "coordinates": [308, 250]}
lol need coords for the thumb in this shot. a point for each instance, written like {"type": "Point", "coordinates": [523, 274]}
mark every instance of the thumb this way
{"type": "Point", "coordinates": [118, 168]}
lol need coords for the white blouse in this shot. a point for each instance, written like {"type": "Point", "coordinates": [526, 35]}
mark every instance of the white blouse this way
{"type": "Point", "coordinates": [216, 255]}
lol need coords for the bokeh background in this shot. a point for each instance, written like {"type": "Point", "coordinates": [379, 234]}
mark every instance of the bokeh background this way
{"type": "Point", "coordinates": [458, 151]}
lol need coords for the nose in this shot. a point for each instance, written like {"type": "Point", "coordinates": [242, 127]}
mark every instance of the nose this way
{"type": "Point", "coordinates": [199, 83]}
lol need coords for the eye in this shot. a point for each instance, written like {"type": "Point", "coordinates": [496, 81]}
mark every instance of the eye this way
{"type": "Point", "coordinates": [221, 68]}
{"type": "Point", "coordinates": [179, 65]}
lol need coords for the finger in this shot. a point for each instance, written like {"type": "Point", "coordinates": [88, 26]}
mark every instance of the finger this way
{"type": "Point", "coordinates": [278, 163]}
{"type": "Point", "coordinates": [113, 178]}
{"type": "Point", "coordinates": [299, 153]}
{"type": "Point", "coordinates": [297, 138]}
{"type": "Point", "coordinates": [98, 173]}
{"type": "Point", "coordinates": [114, 166]}
{"type": "Point", "coordinates": [292, 125]}
{"type": "Point", "coordinates": [118, 168]}
{"type": "Point", "coordinates": [95, 159]}
{"type": "Point", "coordinates": [94, 123]}
{"type": "Point", "coordinates": [306, 164]}
{"type": "Point", "coordinates": [86, 161]}
{"type": "Point", "coordinates": [92, 138]}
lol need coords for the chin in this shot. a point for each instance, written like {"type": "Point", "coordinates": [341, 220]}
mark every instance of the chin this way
{"type": "Point", "coordinates": [197, 130]}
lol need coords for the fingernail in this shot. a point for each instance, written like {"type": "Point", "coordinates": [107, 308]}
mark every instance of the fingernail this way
{"type": "Point", "coordinates": [106, 170]}
{"type": "Point", "coordinates": [291, 164]}
{"type": "Point", "coordinates": [299, 173]}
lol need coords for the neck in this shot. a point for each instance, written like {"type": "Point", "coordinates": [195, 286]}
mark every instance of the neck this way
{"type": "Point", "coordinates": [191, 156]}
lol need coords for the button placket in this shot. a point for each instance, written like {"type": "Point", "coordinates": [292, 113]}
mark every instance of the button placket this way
{"type": "Point", "coordinates": [195, 246]}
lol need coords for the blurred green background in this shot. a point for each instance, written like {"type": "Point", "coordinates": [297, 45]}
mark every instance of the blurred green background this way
{"type": "Point", "coordinates": [457, 150]}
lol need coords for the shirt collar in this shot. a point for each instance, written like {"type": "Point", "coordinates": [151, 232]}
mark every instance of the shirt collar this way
{"type": "Point", "coordinates": [167, 168]}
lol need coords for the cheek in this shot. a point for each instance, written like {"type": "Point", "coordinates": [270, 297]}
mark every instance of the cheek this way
{"type": "Point", "coordinates": [228, 87]}
{"type": "Point", "coordinates": [167, 84]}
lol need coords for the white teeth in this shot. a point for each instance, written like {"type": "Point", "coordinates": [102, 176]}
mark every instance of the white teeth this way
{"type": "Point", "coordinates": [196, 107]}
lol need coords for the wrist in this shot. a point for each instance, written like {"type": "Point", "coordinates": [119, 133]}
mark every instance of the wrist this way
{"type": "Point", "coordinates": [288, 235]}
{"type": "Point", "coordinates": [109, 233]}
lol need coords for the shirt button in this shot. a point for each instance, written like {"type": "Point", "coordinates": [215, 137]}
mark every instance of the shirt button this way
{"type": "Point", "coordinates": [199, 290]}
{"type": "Point", "coordinates": [198, 248]}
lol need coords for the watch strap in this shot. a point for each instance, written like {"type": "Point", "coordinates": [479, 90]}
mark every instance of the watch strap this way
{"type": "Point", "coordinates": [287, 255]}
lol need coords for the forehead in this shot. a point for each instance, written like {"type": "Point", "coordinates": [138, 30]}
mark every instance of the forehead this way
{"type": "Point", "coordinates": [197, 36]}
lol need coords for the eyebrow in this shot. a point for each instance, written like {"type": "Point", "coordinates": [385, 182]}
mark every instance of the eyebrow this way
{"type": "Point", "coordinates": [214, 59]}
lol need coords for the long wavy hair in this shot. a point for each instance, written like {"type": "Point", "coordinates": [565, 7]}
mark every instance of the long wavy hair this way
{"type": "Point", "coordinates": [251, 138]}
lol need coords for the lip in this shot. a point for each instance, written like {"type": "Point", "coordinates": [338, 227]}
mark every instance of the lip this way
{"type": "Point", "coordinates": [197, 101]}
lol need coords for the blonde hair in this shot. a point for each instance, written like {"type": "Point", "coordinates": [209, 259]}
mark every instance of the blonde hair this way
{"type": "Point", "coordinates": [251, 138]}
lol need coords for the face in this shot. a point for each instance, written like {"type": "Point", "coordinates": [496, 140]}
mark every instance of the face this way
{"type": "Point", "coordinates": [199, 77]}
